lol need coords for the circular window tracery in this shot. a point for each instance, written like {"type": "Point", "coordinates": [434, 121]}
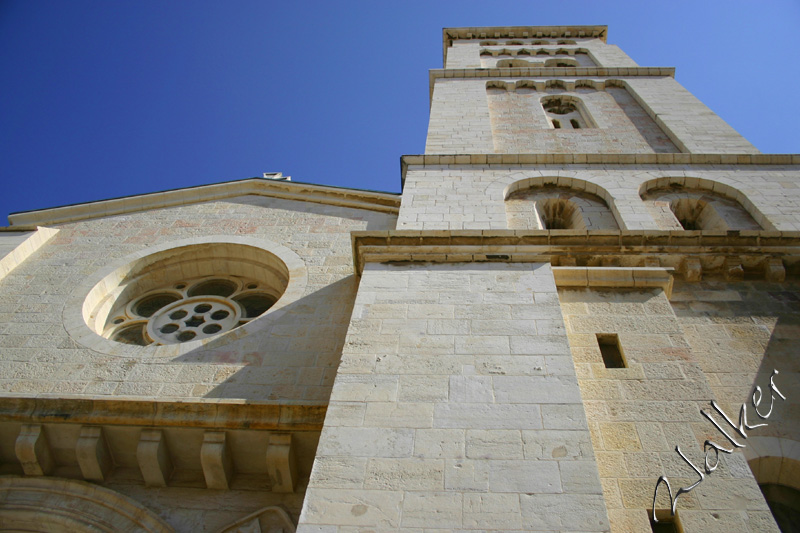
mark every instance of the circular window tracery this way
{"type": "Point", "coordinates": [176, 298]}
{"type": "Point", "coordinates": [188, 310]}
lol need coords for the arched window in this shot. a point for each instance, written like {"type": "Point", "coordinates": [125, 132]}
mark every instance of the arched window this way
{"type": "Point", "coordinates": [552, 207]}
{"type": "Point", "coordinates": [676, 207]}
{"type": "Point", "coordinates": [564, 113]}
{"type": "Point", "coordinates": [510, 63]}
{"type": "Point", "coordinates": [560, 62]}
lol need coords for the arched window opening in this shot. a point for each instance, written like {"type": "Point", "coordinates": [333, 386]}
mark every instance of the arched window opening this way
{"type": "Point", "coordinates": [542, 53]}
{"type": "Point", "coordinates": [558, 213]}
{"type": "Point", "coordinates": [697, 209]}
{"type": "Point", "coordinates": [549, 206]}
{"type": "Point", "coordinates": [784, 502]}
{"type": "Point", "coordinates": [513, 63]}
{"type": "Point", "coordinates": [514, 43]}
{"type": "Point", "coordinates": [560, 62]}
{"type": "Point", "coordinates": [567, 41]}
{"type": "Point", "coordinates": [565, 112]}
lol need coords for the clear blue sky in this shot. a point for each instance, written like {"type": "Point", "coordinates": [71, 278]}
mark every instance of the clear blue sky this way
{"type": "Point", "coordinates": [103, 98]}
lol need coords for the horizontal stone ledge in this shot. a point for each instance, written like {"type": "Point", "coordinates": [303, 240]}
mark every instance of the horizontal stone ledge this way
{"type": "Point", "coordinates": [541, 72]}
{"type": "Point", "coordinates": [615, 277]}
{"type": "Point", "coordinates": [161, 413]}
{"type": "Point", "coordinates": [767, 253]}
{"type": "Point", "coordinates": [425, 160]}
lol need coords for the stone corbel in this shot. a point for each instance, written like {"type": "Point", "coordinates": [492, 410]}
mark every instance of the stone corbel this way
{"type": "Point", "coordinates": [215, 457]}
{"type": "Point", "coordinates": [281, 462]}
{"type": "Point", "coordinates": [734, 271]}
{"type": "Point", "coordinates": [33, 451]}
{"type": "Point", "coordinates": [774, 270]}
{"type": "Point", "coordinates": [94, 457]}
{"type": "Point", "coordinates": [691, 269]}
{"type": "Point", "coordinates": [153, 457]}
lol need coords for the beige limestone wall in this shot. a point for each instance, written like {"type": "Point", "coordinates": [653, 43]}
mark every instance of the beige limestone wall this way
{"type": "Point", "coordinates": [472, 197]}
{"type": "Point", "coordinates": [456, 407]}
{"type": "Point", "coordinates": [739, 333]}
{"type": "Point", "coordinates": [664, 116]}
{"type": "Point", "coordinates": [640, 413]}
{"type": "Point", "coordinates": [10, 240]}
{"type": "Point", "coordinates": [459, 118]}
{"type": "Point", "coordinates": [616, 123]}
{"type": "Point", "coordinates": [692, 126]}
{"type": "Point", "coordinates": [292, 358]}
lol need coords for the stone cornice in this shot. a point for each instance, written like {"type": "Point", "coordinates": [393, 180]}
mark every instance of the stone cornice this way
{"type": "Point", "coordinates": [124, 411]}
{"type": "Point", "coordinates": [508, 160]}
{"type": "Point", "coordinates": [758, 252]}
{"type": "Point", "coordinates": [545, 72]}
{"type": "Point", "coordinates": [521, 32]}
{"type": "Point", "coordinates": [170, 442]}
{"type": "Point", "coordinates": [288, 190]}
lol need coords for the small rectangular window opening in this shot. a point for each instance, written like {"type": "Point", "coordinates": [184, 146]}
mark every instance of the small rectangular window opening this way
{"type": "Point", "coordinates": [575, 124]}
{"type": "Point", "coordinates": [556, 124]}
{"type": "Point", "coordinates": [667, 523]}
{"type": "Point", "coordinates": [611, 350]}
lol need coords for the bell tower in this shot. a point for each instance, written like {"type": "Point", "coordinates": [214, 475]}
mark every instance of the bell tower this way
{"type": "Point", "coordinates": [519, 355]}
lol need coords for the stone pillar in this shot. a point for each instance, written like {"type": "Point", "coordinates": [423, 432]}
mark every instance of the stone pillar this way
{"type": "Point", "coordinates": [456, 406]}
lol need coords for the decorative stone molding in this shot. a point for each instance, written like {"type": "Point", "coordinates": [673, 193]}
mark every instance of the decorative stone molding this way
{"type": "Point", "coordinates": [153, 457]}
{"type": "Point", "coordinates": [216, 460]}
{"type": "Point", "coordinates": [281, 463]}
{"type": "Point", "coordinates": [614, 277]}
{"type": "Point", "coordinates": [262, 520]}
{"type": "Point", "coordinates": [33, 450]}
{"type": "Point", "coordinates": [165, 440]}
{"type": "Point", "coordinates": [689, 252]}
{"type": "Point", "coordinates": [53, 504]}
{"type": "Point", "coordinates": [93, 454]}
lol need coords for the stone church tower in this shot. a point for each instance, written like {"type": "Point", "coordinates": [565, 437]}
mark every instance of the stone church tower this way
{"type": "Point", "coordinates": [581, 297]}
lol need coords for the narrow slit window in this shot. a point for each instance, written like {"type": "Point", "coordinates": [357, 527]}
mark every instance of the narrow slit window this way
{"type": "Point", "coordinates": [611, 350]}
{"type": "Point", "coordinates": [667, 523]}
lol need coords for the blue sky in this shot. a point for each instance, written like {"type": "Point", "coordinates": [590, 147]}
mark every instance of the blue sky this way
{"type": "Point", "coordinates": [111, 98]}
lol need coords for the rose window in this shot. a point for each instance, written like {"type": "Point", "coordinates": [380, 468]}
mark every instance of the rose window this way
{"type": "Point", "coordinates": [188, 310]}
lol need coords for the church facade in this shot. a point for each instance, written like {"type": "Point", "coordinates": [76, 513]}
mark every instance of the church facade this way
{"type": "Point", "coordinates": [581, 314]}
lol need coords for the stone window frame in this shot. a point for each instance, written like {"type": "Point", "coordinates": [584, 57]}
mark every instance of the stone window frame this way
{"type": "Point", "coordinates": [86, 297]}
{"type": "Point", "coordinates": [567, 121]}
{"type": "Point", "coordinates": [535, 57]}
{"type": "Point", "coordinates": [693, 187]}
{"type": "Point", "coordinates": [579, 188]}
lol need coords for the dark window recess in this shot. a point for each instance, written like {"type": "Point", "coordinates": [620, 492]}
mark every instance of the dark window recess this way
{"type": "Point", "coordinates": [611, 351]}
{"type": "Point", "coordinates": [575, 124]}
{"type": "Point", "coordinates": [556, 124]}
{"type": "Point", "coordinates": [662, 526]}
{"type": "Point", "coordinates": [667, 523]}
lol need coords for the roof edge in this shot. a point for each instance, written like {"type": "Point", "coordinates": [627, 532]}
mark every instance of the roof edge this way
{"type": "Point", "coordinates": [290, 190]}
